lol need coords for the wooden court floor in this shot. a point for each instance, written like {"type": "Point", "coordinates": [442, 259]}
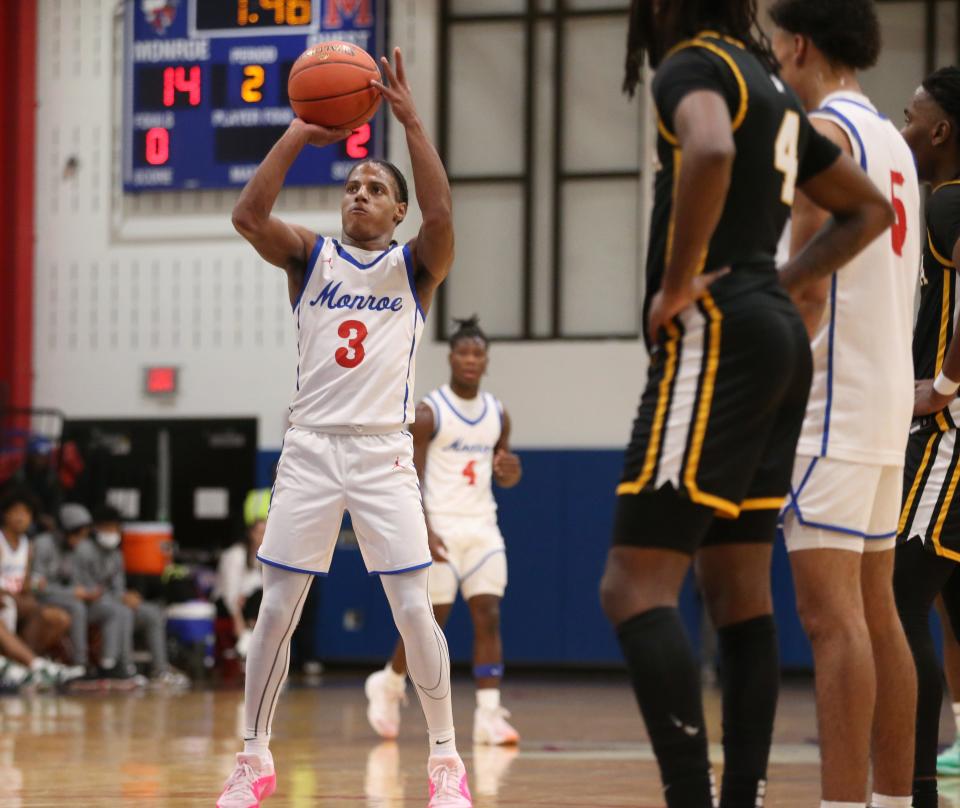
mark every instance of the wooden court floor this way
{"type": "Point", "coordinates": [583, 747]}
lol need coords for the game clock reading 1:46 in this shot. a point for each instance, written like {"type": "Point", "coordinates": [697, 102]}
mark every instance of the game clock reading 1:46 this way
{"type": "Point", "coordinates": [260, 14]}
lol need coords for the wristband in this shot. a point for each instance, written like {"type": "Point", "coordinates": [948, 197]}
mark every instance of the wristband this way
{"type": "Point", "coordinates": [944, 385]}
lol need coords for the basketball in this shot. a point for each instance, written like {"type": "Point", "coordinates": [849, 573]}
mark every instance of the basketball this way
{"type": "Point", "coordinates": [329, 85]}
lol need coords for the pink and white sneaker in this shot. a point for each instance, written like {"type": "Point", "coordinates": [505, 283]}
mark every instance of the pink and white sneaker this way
{"type": "Point", "coordinates": [491, 728]}
{"type": "Point", "coordinates": [252, 781]}
{"type": "Point", "coordinates": [448, 782]}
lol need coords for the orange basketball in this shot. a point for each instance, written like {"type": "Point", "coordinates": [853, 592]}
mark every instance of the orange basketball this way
{"type": "Point", "coordinates": [329, 85]}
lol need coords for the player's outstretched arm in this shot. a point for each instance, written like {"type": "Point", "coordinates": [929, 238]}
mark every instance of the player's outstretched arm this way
{"type": "Point", "coordinates": [507, 470]}
{"type": "Point", "coordinates": [860, 214]}
{"type": "Point", "coordinates": [432, 248]}
{"type": "Point", "coordinates": [284, 245]}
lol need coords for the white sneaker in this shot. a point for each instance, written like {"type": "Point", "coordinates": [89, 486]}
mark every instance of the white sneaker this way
{"type": "Point", "coordinates": [50, 674]}
{"type": "Point", "coordinates": [171, 679]}
{"type": "Point", "coordinates": [492, 728]}
{"type": "Point", "coordinates": [448, 782]}
{"type": "Point", "coordinates": [384, 697]}
{"type": "Point", "coordinates": [252, 781]}
{"type": "Point", "coordinates": [12, 675]}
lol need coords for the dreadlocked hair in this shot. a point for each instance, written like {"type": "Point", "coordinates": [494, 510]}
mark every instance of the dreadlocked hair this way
{"type": "Point", "coordinates": [943, 86]}
{"type": "Point", "coordinates": [468, 329]}
{"type": "Point", "coordinates": [684, 19]}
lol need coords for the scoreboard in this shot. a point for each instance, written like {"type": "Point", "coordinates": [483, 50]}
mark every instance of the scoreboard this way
{"type": "Point", "coordinates": [205, 88]}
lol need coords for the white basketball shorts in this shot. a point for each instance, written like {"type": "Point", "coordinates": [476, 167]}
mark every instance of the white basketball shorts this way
{"type": "Point", "coordinates": [321, 474]}
{"type": "Point", "coordinates": [477, 562]}
{"type": "Point", "coordinates": [838, 505]}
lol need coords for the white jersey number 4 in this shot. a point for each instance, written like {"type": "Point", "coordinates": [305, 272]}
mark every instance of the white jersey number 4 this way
{"type": "Point", "coordinates": [785, 157]}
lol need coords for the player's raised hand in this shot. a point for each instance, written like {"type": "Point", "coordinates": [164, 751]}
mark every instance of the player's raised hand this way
{"type": "Point", "coordinates": [664, 308]}
{"type": "Point", "coordinates": [506, 468]}
{"type": "Point", "coordinates": [438, 548]}
{"type": "Point", "coordinates": [318, 136]}
{"type": "Point", "coordinates": [396, 89]}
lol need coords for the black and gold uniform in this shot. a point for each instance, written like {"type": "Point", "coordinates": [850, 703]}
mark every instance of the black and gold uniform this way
{"type": "Point", "coordinates": [729, 377]}
{"type": "Point", "coordinates": [931, 482]}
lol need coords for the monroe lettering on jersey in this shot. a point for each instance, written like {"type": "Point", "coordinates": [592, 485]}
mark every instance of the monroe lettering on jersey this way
{"type": "Point", "coordinates": [459, 446]}
{"type": "Point", "coordinates": [331, 298]}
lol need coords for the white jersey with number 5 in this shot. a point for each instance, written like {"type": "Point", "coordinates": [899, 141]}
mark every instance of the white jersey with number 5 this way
{"type": "Point", "coordinates": [459, 478]}
{"type": "Point", "coordinates": [861, 399]}
{"type": "Point", "coordinates": [358, 323]}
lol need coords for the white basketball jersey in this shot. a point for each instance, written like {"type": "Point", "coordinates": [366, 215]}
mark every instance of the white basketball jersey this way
{"type": "Point", "coordinates": [13, 564]}
{"type": "Point", "coordinates": [861, 399]}
{"type": "Point", "coordinates": [459, 478]}
{"type": "Point", "coordinates": [358, 323]}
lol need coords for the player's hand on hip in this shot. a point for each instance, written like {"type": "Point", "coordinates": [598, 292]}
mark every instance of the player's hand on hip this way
{"type": "Point", "coordinates": [926, 400]}
{"type": "Point", "coordinates": [396, 89]}
{"type": "Point", "coordinates": [664, 307]}
{"type": "Point", "coordinates": [318, 136]}
{"type": "Point", "coordinates": [506, 467]}
{"type": "Point", "coordinates": [438, 548]}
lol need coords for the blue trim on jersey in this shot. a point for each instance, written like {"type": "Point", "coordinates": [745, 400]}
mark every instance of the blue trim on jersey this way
{"type": "Point", "coordinates": [408, 260]}
{"type": "Point", "coordinates": [287, 567]}
{"type": "Point", "coordinates": [460, 415]}
{"type": "Point", "coordinates": [351, 260]}
{"type": "Point", "coordinates": [830, 346]}
{"type": "Point", "coordinates": [413, 347]}
{"type": "Point", "coordinates": [833, 283]}
{"type": "Point", "coordinates": [311, 263]}
{"type": "Point", "coordinates": [853, 130]}
{"type": "Point", "coordinates": [435, 408]}
{"type": "Point", "coordinates": [400, 572]}
{"type": "Point", "coordinates": [499, 407]}
{"type": "Point", "coordinates": [299, 357]}
{"type": "Point", "coordinates": [870, 109]}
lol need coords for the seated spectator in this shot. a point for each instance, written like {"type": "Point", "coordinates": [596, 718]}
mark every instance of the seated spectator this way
{"type": "Point", "coordinates": [41, 626]}
{"type": "Point", "coordinates": [51, 577]}
{"type": "Point", "coordinates": [98, 563]}
{"type": "Point", "coordinates": [240, 583]}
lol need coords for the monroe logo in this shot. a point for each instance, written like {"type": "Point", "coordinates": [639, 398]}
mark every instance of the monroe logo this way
{"type": "Point", "coordinates": [459, 446]}
{"type": "Point", "coordinates": [331, 298]}
{"type": "Point", "coordinates": [159, 14]}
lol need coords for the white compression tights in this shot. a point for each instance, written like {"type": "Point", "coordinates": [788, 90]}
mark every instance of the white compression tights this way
{"type": "Point", "coordinates": [428, 658]}
{"type": "Point", "coordinates": [268, 660]}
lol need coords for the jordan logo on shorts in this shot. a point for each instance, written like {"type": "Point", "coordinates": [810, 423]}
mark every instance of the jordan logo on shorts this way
{"type": "Point", "coordinates": [396, 463]}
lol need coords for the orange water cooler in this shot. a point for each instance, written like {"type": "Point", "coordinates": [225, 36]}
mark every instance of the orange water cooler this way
{"type": "Point", "coordinates": [147, 547]}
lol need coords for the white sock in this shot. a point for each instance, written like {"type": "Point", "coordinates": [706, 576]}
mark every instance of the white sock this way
{"type": "Point", "coordinates": [831, 804]}
{"type": "Point", "coordinates": [259, 746]}
{"type": "Point", "coordinates": [396, 678]}
{"type": "Point", "coordinates": [956, 716]}
{"type": "Point", "coordinates": [443, 743]}
{"type": "Point", "coordinates": [488, 698]}
{"type": "Point", "coordinates": [886, 801]}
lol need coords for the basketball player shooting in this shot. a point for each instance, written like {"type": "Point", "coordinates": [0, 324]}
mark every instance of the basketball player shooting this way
{"type": "Point", "coordinates": [359, 304]}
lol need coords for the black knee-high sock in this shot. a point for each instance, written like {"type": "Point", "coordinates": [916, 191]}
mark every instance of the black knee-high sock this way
{"type": "Point", "coordinates": [666, 680]}
{"type": "Point", "coordinates": [750, 676]}
{"type": "Point", "coordinates": [918, 576]}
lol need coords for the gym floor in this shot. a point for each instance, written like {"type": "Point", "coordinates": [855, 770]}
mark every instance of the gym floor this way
{"type": "Point", "coordinates": [583, 747]}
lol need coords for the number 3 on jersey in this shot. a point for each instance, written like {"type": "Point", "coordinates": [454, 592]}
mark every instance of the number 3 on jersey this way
{"type": "Point", "coordinates": [354, 332]}
{"type": "Point", "coordinates": [785, 154]}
